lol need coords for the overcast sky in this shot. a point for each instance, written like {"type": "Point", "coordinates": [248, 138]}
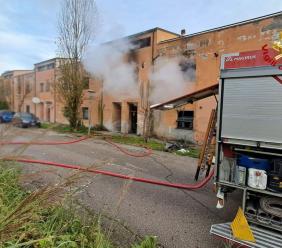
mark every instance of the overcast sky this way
{"type": "Point", "coordinates": [28, 27]}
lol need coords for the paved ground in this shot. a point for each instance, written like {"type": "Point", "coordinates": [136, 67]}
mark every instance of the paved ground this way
{"type": "Point", "coordinates": [180, 218]}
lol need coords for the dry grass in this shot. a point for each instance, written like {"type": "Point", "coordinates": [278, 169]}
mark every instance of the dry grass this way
{"type": "Point", "coordinates": [48, 217]}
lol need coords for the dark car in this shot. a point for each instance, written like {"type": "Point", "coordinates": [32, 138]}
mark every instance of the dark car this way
{"type": "Point", "coordinates": [6, 116]}
{"type": "Point", "coordinates": [22, 119]}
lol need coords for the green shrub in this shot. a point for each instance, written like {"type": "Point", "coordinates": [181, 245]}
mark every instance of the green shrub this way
{"type": "Point", "coordinates": [148, 242]}
{"type": "Point", "coordinates": [4, 105]}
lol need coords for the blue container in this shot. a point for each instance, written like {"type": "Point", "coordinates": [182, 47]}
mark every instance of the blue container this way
{"type": "Point", "coordinates": [250, 162]}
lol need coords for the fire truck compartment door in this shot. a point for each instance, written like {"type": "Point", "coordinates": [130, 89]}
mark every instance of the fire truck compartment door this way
{"type": "Point", "coordinates": [252, 109]}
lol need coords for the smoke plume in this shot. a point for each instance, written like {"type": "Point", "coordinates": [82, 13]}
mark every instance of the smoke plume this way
{"type": "Point", "coordinates": [110, 63]}
{"type": "Point", "coordinates": [170, 78]}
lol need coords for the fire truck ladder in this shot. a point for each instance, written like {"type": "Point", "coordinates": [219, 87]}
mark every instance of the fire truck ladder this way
{"type": "Point", "coordinates": [208, 149]}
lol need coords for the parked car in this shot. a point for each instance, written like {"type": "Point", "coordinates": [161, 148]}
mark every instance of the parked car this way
{"type": "Point", "coordinates": [23, 119]}
{"type": "Point", "coordinates": [6, 116]}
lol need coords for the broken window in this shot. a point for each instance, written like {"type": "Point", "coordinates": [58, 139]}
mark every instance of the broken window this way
{"type": "Point", "coordinates": [204, 43]}
{"type": "Point", "coordinates": [27, 88]}
{"type": "Point", "coordinates": [185, 120]}
{"type": "Point", "coordinates": [47, 88]}
{"type": "Point", "coordinates": [85, 113]}
{"type": "Point", "coordinates": [146, 42]}
{"type": "Point", "coordinates": [188, 68]}
{"type": "Point", "coordinates": [50, 66]}
{"type": "Point", "coordinates": [46, 67]}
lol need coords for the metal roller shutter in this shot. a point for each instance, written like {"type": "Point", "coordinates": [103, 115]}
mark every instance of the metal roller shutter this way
{"type": "Point", "coordinates": [252, 109]}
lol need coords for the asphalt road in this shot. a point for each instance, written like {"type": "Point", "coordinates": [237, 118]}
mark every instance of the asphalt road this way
{"type": "Point", "coordinates": [179, 218]}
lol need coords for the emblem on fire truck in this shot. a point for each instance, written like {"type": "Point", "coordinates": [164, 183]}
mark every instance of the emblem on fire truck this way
{"type": "Point", "coordinates": [277, 45]}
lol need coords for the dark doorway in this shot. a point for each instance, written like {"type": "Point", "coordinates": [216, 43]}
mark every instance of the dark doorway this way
{"type": "Point", "coordinates": [48, 111]}
{"type": "Point", "coordinates": [27, 108]}
{"type": "Point", "coordinates": [117, 116]}
{"type": "Point", "coordinates": [133, 118]}
{"type": "Point", "coordinates": [48, 114]}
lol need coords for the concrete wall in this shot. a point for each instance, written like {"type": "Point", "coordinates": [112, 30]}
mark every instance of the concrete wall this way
{"type": "Point", "coordinates": [143, 58]}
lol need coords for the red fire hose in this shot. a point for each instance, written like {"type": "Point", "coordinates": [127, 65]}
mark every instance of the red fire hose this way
{"type": "Point", "coordinates": [102, 172]}
{"type": "Point", "coordinates": [43, 143]}
{"type": "Point", "coordinates": [112, 174]}
{"type": "Point", "coordinates": [137, 155]}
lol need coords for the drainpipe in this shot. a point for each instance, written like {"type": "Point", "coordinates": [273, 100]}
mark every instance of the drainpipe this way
{"type": "Point", "coordinates": [35, 107]}
{"type": "Point", "coordinates": [152, 64]}
{"type": "Point", "coordinates": [55, 99]}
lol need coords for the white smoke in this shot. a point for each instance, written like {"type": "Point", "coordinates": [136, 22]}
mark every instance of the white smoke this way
{"type": "Point", "coordinates": [170, 78]}
{"type": "Point", "coordinates": [110, 62]}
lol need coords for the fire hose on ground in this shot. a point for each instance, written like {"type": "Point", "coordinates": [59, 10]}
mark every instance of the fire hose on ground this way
{"type": "Point", "coordinates": [103, 172]}
{"type": "Point", "coordinates": [43, 142]}
{"type": "Point", "coordinates": [145, 154]}
{"type": "Point", "coordinates": [112, 174]}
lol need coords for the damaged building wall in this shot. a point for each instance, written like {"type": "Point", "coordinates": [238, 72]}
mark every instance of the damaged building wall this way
{"type": "Point", "coordinates": [125, 113]}
{"type": "Point", "coordinates": [207, 48]}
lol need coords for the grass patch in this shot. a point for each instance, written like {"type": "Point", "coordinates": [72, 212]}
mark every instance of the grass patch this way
{"type": "Point", "coordinates": [138, 141]}
{"type": "Point", "coordinates": [46, 125]}
{"type": "Point", "coordinates": [64, 128]}
{"type": "Point", "coordinates": [147, 243]}
{"type": "Point", "coordinates": [128, 140]}
{"type": "Point", "coordinates": [123, 139]}
{"type": "Point", "coordinates": [41, 219]}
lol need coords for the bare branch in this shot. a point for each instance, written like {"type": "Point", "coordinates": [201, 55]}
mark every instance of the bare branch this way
{"type": "Point", "coordinates": [76, 26]}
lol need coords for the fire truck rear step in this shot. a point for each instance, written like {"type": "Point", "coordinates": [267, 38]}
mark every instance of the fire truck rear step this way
{"type": "Point", "coordinates": [264, 238]}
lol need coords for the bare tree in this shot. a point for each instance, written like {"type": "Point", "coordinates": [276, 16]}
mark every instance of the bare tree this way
{"type": "Point", "coordinates": [76, 26]}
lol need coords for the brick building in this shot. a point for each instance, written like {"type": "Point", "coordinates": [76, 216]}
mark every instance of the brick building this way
{"type": "Point", "coordinates": [203, 51]}
{"type": "Point", "coordinates": [17, 84]}
{"type": "Point", "coordinates": [45, 74]}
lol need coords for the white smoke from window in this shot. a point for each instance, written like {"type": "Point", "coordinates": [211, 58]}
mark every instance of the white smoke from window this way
{"type": "Point", "coordinates": [168, 79]}
{"type": "Point", "coordinates": [110, 63]}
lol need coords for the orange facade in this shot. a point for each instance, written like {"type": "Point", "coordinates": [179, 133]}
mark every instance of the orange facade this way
{"type": "Point", "coordinates": [206, 49]}
{"type": "Point", "coordinates": [201, 52]}
{"type": "Point", "coordinates": [45, 77]}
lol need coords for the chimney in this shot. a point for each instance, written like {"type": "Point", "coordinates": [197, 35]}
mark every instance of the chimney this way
{"type": "Point", "coordinates": [183, 32]}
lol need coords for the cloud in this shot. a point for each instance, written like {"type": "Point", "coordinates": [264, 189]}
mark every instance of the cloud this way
{"type": "Point", "coordinates": [25, 36]}
{"type": "Point", "coordinates": [19, 51]}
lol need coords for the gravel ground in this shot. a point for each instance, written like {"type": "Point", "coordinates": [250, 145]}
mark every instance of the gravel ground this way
{"type": "Point", "coordinates": [179, 218]}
